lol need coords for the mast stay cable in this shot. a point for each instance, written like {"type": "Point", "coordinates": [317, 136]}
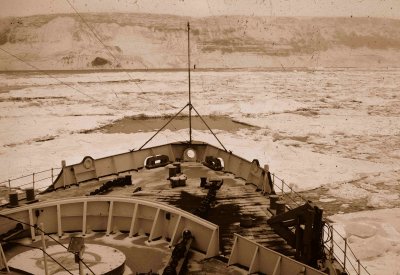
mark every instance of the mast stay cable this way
{"type": "Point", "coordinates": [111, 106]}
{"type": "Point", "coordinates": [59, 80]}
{"type": "Point", "coordinates": [190, 105]}
{"type": "Point", "coordinates": [101, 42]}
{"type": "Point", "coordinates": [97, 36]}
{"type": "Point", "coordinates": [205, 123]}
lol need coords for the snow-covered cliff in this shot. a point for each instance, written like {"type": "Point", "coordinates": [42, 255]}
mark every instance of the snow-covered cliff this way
{"type": "Point", "coordinates": [138, 41]}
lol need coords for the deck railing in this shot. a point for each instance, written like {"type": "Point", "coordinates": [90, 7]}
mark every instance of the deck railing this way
{"type": "Point", "coordinates": [336, 244]}
{"type": "Point", "coordinates": [38, 180]}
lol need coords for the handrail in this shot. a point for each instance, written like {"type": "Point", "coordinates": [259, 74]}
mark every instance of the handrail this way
{"type": "Point", "coordinates": [330, 246]}
{"type": "Point", "coordinates": [120, 210]}
{"type": "Point", "coordinates": [32, 179]}
{"type": "Point", "coordinates": [329, 229]}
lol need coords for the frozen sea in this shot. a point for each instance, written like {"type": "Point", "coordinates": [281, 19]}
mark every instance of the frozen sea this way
{"type": "Point", "coordinates": [332, 130]}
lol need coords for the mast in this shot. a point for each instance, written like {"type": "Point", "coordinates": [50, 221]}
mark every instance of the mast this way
{"type": "Point", "coordinates": [189, 104]}
{"type": "Point", "coordinates": [190, 98]}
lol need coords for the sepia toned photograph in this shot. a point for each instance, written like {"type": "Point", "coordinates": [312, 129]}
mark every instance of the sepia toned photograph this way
{"type": "Point", "coordinates": [200, 137]}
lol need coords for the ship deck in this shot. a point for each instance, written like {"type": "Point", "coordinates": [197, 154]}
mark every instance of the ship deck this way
{"type": "Point", "coordinates": [234, 201]}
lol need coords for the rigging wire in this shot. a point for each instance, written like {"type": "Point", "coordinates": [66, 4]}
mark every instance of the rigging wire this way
{"type": "Point", "coordinates": [59, 80]}
{"type": "Point", "coordinates": [38, 228]}
{"type": "Point", "coordinates": [111, 106]}
{"type": "Point", "coordinates": [212, 132]}
{"type": "Point", "coordinates": [172, 118]}
{"type": "Point", "coordinates": [62, 82]}
{"type": "Point", "coordinates": [102, 43]}
{"type": "Point", "coordinates": [95, 34]}
{"type": "Point", "coordinates": [85, 94]}
{"type": "Point", "coordinates": [189, 105]}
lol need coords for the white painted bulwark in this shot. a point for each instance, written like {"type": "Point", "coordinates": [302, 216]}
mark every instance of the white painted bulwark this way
{"type": "Point", "coordinates": [117, 214]}
{"type": "Point", "coordinates": [113, 165]}
{"type": "Point", "coordinates": [259, 259]}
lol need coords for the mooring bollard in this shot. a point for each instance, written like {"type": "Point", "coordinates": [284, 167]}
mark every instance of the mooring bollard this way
{"type": "Point", "coordinates": [174, 181]}
{"type": "Point", "coordinates": [246, 221]}
{"type": "Point", "coordinates": [171, 172]}
{"type": "Point", "coordinates": [203, 181]}
{"type": "Point", "coordinates": [30, 194]}
{"type": "Point", "coordinates": [182, 180]}
{"type": "Point", "coordinates": [178, 167]}
{"type": "Point", "coordinates": [272, 201]}
{"type": "Point", "coordinates": [280, 207]}
{"type": "Point", "coordinates": [13, 198]}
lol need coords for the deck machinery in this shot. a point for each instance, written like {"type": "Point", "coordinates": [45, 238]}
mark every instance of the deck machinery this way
{"type": "Point", "coordinates": [302, 229]}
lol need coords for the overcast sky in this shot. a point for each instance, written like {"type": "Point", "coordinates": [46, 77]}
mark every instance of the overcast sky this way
{"type": "Point", "coordinates": [372, 8]}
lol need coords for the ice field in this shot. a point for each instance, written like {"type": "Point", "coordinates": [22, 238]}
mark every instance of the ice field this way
{"type": "Point", "coordinates": [339, 129]}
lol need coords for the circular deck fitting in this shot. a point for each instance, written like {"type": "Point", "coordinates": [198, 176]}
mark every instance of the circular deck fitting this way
{"type": "Point", "coordinates": [100, 258]}
{"type": "Point", "coordinates": [246, 221]}
{"type": "Point", "coordinates": [189, 154]}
